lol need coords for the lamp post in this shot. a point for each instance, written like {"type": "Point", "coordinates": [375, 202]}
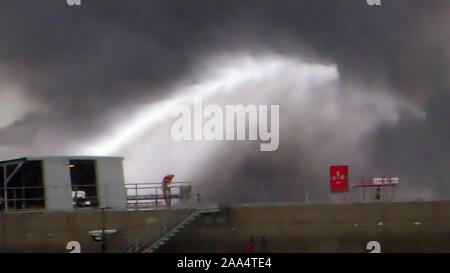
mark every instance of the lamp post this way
{"type": "Point", "coordinates": [104, 229]}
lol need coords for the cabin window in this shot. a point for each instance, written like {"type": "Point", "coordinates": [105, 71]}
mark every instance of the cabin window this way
{"type": "Point", "coordinates": [84, 183]}
{"type": "Point", "coordinates": [24, 188]}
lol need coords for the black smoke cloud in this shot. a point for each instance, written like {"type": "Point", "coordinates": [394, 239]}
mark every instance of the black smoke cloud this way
{"type": "Point", "coordinates": [80, 64]}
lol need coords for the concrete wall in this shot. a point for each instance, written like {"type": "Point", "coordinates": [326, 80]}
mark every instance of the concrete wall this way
{"type": "Point", "coordinates": [57, 184]}
{"type": "Point", "coordinates": [51, 231]}
{"type": "Point", "coordinates": [286, 228]}
{"type": "Point", "coordinates": [321, 228]}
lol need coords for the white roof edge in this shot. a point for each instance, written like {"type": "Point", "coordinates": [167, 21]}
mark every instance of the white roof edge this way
{"type": "Point", "coordinates": [75, 157]}
{"type": "Point", "coordinates": [69, 157]}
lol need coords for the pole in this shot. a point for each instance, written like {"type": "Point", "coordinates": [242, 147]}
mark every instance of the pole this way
{"type": "Point", "coordinates": [3, 229]}
{"type": "Point", "coordinates": [5, 192]}
{"type": "Point", "coordinates": [103, 232]}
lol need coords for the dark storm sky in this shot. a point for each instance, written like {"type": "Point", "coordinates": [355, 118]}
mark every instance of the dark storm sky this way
{"type": "Point", "coordinates": [83, 62]}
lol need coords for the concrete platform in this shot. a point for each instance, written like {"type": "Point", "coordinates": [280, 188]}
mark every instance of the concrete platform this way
{"type": "Point", "coordinates": [51, 231]}
{"type": "Point", "coordinates": [399, 227]}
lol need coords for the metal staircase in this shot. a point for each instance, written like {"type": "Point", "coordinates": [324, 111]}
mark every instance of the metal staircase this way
{"type": "Point", "coordinates": [142, 245]}
{"type": "Point", "coordinates": [173, 232]}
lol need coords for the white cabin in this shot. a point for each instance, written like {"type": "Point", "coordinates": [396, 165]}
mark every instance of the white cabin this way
{"type": "Point", "coordinates": [50, 183]}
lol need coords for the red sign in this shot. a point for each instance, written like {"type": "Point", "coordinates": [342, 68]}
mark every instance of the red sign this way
{"type": "Point", "coordinates": [338, 178]}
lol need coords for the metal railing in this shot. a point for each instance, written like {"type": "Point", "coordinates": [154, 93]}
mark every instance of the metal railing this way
{"type": "Point", "coordinates": [146, 239]}
{"type": "Point", "coordinates": [33, 197]}
{"type": "Point", "coordinates": [141, 239]}
{"type": "Point", "coordinates": [138, 196]}
{"type": "Point", "coordinates": [152, 196]}
{"type": "Point", "coordinates": [16, 198]}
